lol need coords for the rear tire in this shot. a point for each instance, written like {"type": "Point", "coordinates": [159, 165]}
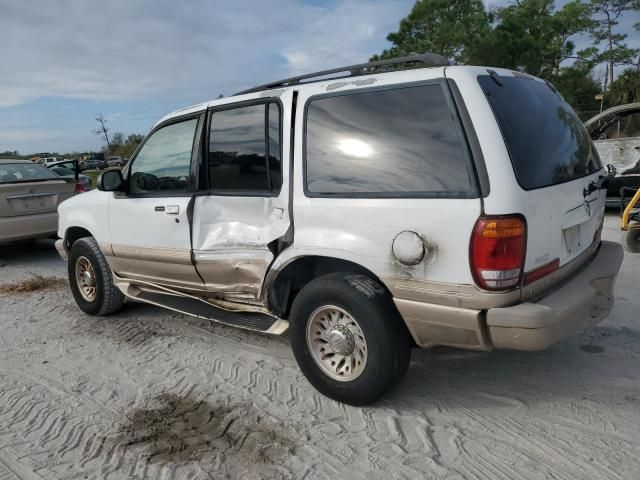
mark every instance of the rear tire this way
{"type": "Point", "coordinates": [632, 239]}
{"type": "Point", "coordinates": [348, 338]}
{"type": "Point", "coordinates": [91, 279]}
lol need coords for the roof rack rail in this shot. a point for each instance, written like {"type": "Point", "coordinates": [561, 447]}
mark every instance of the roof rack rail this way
{"type": "Point", "coordinates": [424, 60]}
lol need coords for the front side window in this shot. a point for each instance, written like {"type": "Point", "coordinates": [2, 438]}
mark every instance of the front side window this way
{"type": "Point", "coordinates": [398, 142]}
{"type": "Point", "coordinates": [163, 164]}
{"type": "Point", "coordinates": [244, 150]}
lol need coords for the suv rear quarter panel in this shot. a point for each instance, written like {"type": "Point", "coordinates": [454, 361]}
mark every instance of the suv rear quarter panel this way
{"type": "Point", "coordinates": [362, 230]}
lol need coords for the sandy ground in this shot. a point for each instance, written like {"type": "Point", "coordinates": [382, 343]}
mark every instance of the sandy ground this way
{"type": "Point", "coordinates": [150, 394]}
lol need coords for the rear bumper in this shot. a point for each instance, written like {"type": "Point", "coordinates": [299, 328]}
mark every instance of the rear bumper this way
{"type": "Point", "coordinates": [582, 301]}
{"type": "Point", "coordinates": [28, 226]}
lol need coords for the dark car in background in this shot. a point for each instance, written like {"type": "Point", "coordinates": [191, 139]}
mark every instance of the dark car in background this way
{"type": "Point", "coordinates": [95, 164]}
{"type": "Point", "coordinates": [116, 161]}
{"type": "Point", "coordinates": [71, 169]}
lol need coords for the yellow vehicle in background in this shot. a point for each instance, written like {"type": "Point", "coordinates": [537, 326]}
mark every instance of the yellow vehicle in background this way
{"type": "Point", "coordinates": [630, 222]}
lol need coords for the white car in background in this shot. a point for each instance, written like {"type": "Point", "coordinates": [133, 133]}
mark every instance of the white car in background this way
{"type": "Point", "coordinates": [368, 213]}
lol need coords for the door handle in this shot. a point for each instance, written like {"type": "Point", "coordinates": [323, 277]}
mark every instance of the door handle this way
{"type": "Point", "coordinates": [169, 209]}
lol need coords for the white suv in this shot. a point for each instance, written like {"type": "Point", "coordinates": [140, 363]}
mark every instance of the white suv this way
{"type": "Point", "coordinates": [369, 213]}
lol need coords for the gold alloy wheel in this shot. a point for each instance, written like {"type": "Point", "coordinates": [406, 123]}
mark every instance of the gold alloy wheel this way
{"type": "Point", "coordinates": [86, 279]}
{"type": "Point", "coordinates": [336, 343]}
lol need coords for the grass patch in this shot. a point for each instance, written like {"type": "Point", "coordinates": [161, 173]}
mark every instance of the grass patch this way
{"type": "Point", "coordinates": [93, 174]}
{"type": "Point", "coordinates": [33, 284]}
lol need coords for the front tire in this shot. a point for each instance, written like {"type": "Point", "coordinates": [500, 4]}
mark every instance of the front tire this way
{"type": "Point", "coordinates": [348, 338]}
{"type": "Point", "coordinates": [91, 279]}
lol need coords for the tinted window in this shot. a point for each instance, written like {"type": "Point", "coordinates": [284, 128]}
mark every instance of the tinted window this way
{"type": "Point", "coordinates": [275, 162]}
{"type": "Point", "coordinates": [163, 164]}
{"type": "Point", "coordinates": [547, 142]}
{"type": "Point", "coordinates": [24, 172]}
{"type": "Point", "coordinates": [244, 150]}
{"type": "Point", "coordinates": [400, 141]}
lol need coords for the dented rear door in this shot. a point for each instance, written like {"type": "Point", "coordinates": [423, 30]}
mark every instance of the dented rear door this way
{"type": "Point", "coordinates": [242, 220]}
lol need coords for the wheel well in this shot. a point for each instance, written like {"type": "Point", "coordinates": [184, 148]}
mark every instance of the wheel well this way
{"type": "Point", "coordinates": [283, 290]}
{"type": "Point", "coordinates": [75, 233]}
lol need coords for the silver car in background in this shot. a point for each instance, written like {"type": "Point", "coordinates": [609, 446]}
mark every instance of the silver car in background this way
{"type": "Point", "coordinates": [29, 199]}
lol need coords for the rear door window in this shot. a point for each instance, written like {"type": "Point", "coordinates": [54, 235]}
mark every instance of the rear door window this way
{"type": "Point", "coordinates": [404, 141]}
{"type": "Point", "coordinates": [245, 150]}
{"type": "Point", "coordinates": [547, 142]}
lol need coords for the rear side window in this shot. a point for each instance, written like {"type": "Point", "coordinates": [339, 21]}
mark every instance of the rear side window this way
{"type": "Point", "coordinates": [547, 142]}
{"type": "Point", "coordinates": [24, 172]}
{"type": "Point", "coordinates": [396, 142]}
{"type": "Point", "coordinates": [244, 150]}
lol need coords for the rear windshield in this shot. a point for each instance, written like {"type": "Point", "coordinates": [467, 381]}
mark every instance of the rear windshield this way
{"type": "Point", "coordinates": [24, 172]}
{"type": "Point", "coordinates": [547, 141]}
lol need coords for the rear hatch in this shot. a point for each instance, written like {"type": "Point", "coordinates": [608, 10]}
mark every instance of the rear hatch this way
{"type": "Point", "coordinates": [556, 166]}
{"type": "Point", "coordinates": [28, 189]}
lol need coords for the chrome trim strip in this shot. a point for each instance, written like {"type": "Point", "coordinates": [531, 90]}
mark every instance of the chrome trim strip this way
{"type": "Point", "coordinates": [31, 195]}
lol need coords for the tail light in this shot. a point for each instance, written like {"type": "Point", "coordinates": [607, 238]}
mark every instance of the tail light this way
{"type": "Point", "coordinates": [79, 188]}
{"type": "Point", "coordinates": [498, 246]}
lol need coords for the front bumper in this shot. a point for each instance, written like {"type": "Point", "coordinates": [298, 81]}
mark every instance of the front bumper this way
{"type": "Point", "coordinates": [62, 250]}
{"type": "Point", "coordinates": [581, 302]}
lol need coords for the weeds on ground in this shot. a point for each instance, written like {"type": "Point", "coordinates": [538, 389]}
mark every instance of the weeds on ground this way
{"type": "Point", "coordinates": [32, 284]}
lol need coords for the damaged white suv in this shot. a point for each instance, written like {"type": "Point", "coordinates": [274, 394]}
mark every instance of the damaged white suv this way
{"type": "Point", "coordinates": [368, 213]}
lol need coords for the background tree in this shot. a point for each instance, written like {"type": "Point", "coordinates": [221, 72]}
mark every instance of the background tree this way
{"type": "Point", "coordinates": [579, 88]}
{"type": "Point", "coordinates": [611, 44]}
{"type": "Point", "coordinates": [117, 140]}
{"type": "Point", "coordinates": [529, 35]}
{"type": "Point", "coordinates": [439, 26]}
{"type": "Point", "coordinates": [128, 146]}
{"type": "Point", "coordinates": [533, 37]}
{"type": "Point", "coordinates": [102, 129]}
{"type": "Point", "coordinates": [625, 88]}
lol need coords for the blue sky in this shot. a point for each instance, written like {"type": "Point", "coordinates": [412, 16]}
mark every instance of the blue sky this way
{"type": "Point", "coordinates": [135, 60]}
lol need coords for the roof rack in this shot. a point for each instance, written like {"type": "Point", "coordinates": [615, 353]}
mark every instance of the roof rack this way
{"type": "Point", "coordinates": [424, 60]}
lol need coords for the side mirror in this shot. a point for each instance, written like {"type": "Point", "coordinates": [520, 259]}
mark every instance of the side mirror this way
{"type": "Point", "coordinates": [111, 181]}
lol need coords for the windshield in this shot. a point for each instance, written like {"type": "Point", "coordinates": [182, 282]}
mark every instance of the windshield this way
{"type": "Point", "coordinates": [547, 142]}
{"type": "Point", "coordinates": [24, 172]}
